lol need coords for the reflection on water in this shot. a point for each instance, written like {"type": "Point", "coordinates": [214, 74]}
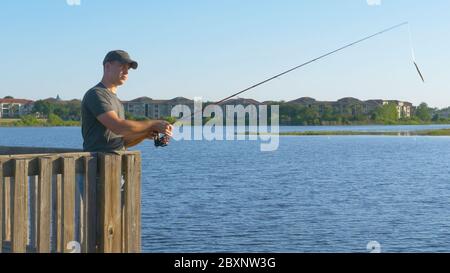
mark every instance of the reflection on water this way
{"type": "Point", "coordinates": [314, 194]}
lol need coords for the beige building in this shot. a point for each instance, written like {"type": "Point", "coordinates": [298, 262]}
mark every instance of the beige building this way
{"type": "Point", "coordinates": [404, 109]}
{"type": "Point", "coordinates": [154, 109]}
{"type": "Point", "coordinates": [13, 108]}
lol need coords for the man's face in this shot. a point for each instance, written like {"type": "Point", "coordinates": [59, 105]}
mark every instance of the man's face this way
{"type": "Point", "coordinates": [117, 72]}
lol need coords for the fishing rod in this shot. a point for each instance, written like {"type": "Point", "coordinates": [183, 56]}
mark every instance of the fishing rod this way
{"type": "Point", "coordinates": [413, 54]}
{"type": "Point", "coordinates": [162, 140]}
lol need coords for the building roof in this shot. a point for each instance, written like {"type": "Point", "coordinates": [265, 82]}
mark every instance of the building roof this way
{"type": "Point", "coordinates": [303, 100]}
{"type": "Point", "coordinates": [240, 101]}
{"type": "Point", "coordinates": [181, 99]}
{"type": "Point", "coordinates": [349, 100]}
{"type": "Point", "coordinates": [21, 101]}
{"type": "Point", "coordinates": [141, 100]}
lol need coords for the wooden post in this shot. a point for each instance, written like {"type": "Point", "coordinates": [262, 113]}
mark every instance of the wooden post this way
{"type": "Point", "coordinates": [33, 180]}
{"type": "Point", "coordinates": [89, 227]}
{"type": "Point", "coordinates": [109, 212]}
{"type": "Point", "coordinates": [109, 203]}
{"type": "Point", "coordinates": [1, 207]}
{"type": "Point", "coordinates": [7, 193]}
{"type": "Point", "coordinates": [44, 205]}
{"type": "Point", "coordinates": [58, 214]}
{"type": "Point", "coordinates": [19, 228]}
{"type": "Point", "coordinates": [132, 210]}
{"type": "Point", "coordinates": [68, 202]}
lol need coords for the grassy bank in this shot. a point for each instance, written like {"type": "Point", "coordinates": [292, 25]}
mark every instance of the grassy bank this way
{"type": "Point", "coordinates": [7, 121]}
{"type": "Point", "coordinates": [440, 132]}
{"type": "Point", "coordinates": [30, 121]}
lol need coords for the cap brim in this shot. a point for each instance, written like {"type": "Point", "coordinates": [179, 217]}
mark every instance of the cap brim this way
{"type": "Point", "coordinates": [133, 64]}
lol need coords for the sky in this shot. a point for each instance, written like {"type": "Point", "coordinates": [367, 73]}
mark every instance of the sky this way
{"type": "Point", "coordinates": [213, 48]}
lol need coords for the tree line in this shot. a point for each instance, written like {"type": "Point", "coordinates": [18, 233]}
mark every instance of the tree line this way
{"type": "Point", "coordinates": [296, 114]}
{"type": "Point", "coordinates": [68, 113]}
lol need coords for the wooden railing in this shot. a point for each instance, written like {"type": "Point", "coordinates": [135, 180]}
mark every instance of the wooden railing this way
{"type": "Point", "coordinates": [61, 200]}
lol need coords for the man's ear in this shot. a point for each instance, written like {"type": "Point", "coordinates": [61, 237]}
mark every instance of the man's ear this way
{"type": "Point", "coordinates": [106, 66]}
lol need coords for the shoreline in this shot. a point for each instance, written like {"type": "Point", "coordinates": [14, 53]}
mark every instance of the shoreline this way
{"type": "Point", "coordinates": [429, 132]}
{"type": "Point", "coordinates": [8, 124]}
{"type": "Point", "coordinates": [438, 132]}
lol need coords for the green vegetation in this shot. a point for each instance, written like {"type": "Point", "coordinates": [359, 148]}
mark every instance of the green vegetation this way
{"type": "Point", "coordinates": [55, 112]}
{"type": "Point", "coordinates": [66, 110]}
{"type": "Point", "coordinates": [354, 114]}
{"type": "Point", "coordinates": [50, 113]}
{"type": "Point", "coordinates": [439, 132]}
{"type": "Point", "coordinates": [129, 116]}
{"type": "Point", "coordinates": [423, 112]}
{"type": "Point", "coordinates": [386, 114]}
{"type": "Point", "coordinates": [31, 120]}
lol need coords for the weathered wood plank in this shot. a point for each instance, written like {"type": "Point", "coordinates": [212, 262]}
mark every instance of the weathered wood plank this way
{"type": "Point", "coordinates": [44, 205]}
{"type": "Point", "coordinates": [109, 219]}
{"type": "Point", "coordinates": [89, 227]}
{"type": "Point", "coordinates": [2, 222]}
{"type": "Point", "coordinates": [58, 227]}
{"type": "Point", "coordinates": [7, 248]}
{"type": "Point", "coordinates": [8, 156]}
{"type": "Point", "coordinates": [19, 227]}
{"type": "Point", "coordinates": [7, 209]}
{"type": "Point", "coordinates": [132, 204]}
{"type": "Point", "coordinates": [109, 202]}
{"type": "Point", "coordinates": [33, 194]}
{"type": "Point", "coordinates": [8, 166]}
{"type": "Point", "coordinates": [137, 200]}
{"type": "Point", "coordinates": [33, 165]}
{"type": "Point", "coordinates": [35, 150]}
{"type": "Point", "coordinates": [68, 202]}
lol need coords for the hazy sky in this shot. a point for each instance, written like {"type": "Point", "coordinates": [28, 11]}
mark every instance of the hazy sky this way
{"type": "Point", "coordinates": [212, 48]}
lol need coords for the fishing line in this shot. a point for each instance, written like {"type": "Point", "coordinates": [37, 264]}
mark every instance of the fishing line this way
{"type": "Point", "coordinates": [161, 140]}
{"type": "Point", "coordinates": [413, 53]}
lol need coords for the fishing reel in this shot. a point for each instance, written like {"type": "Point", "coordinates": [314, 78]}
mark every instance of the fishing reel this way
{"type": "Point", "coordinates": [161, 140]}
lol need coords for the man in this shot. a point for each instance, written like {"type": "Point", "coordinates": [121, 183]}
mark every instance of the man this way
{"type": "Point", "coordinates": [104, 127]}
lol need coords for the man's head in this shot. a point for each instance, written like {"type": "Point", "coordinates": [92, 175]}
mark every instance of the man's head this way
{"type": "Point", "coordinates": [116, 65]}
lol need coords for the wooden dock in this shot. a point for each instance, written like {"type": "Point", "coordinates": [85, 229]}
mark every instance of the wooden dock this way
{"type": "Point", "coordinates": [66, 201]}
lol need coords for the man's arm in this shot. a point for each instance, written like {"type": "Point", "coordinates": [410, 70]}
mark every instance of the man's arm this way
{"type": "Point", "coordinates": [129, 128]}
{"type": "Point", "coordinates": [134, 140]}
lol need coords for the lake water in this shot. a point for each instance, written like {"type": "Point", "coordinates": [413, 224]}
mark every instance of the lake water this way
{"type": "Point", "coordinates": [314, 194]}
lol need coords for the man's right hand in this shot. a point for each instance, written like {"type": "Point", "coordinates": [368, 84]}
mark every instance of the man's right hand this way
{"type": "Point", "coordinates": [162, 127]}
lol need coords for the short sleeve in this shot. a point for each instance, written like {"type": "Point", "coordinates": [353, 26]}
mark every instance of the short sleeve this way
{"type": "Point", "coordinates": [98, 103]}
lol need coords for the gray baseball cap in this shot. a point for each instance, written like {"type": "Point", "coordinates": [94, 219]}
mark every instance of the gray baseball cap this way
{"type": "Point", "coordinates": [121, 57]}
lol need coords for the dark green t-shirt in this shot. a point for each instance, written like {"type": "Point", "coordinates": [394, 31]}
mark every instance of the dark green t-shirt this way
{"type": "Point", "coordinates": [96, 137]}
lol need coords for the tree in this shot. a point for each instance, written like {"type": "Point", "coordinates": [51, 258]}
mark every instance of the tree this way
{"type": "Point", "coordinates": [423, 112]}
{"type": "Point", "coordinates": [386, 114]}
{"type": "Point", "coordinates": [43, 107]}
{"type": "Point", "coordinates": [435, 118]}
{"type": "Point", "coordinates": [8, 97]}
{"type": "Point", "coordinates": [327, 113]}
{"type": "Point", "coordinates": [55, 120]}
